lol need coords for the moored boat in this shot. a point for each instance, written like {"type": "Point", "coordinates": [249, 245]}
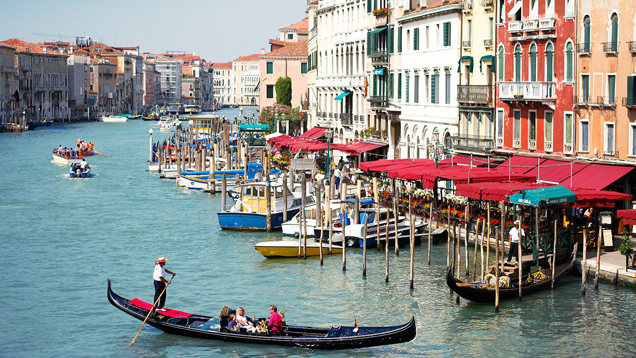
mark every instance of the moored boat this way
{"type": "Point", "coordinates": [207, 327]}
{"type": "Point", "coordinates": [113, 119]}
{"type": "Point", "coordinates": [290, 249]}
{"type": "Point", "coordinates": [485, 291]}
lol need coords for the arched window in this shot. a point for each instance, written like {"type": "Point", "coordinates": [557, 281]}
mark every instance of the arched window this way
{"type": "Point", "coordinates": [569, 62]}
{"type": "Point", "coordinates": [549, 62]}
{"type": "Point", "coordinates": [614, 34]}
{"type": "Point", "coordinates": [500, 63]}
{"type": "Point", "coordinates": [533, 62]}
{"type": "Point", "coordinates": [518, 63]}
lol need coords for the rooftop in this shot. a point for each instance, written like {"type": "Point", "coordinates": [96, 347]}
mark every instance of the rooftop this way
{"type": "Point", "coordinates": [301, 27]}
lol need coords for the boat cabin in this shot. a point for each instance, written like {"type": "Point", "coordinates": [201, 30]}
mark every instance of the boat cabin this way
{"type": "Point", "coordinates": [254, 199]}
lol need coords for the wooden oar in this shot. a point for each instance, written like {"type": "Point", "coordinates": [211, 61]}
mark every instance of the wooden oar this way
{"type": "Point", "coordinates": [152, 309]}
{"type": "Point", "coordinates": [104, 155]}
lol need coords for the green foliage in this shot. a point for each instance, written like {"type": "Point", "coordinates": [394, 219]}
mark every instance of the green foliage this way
{"type": "Point", "coordinates": [626, 247]}
{"type": "Point", "coordinates": [267, 116]}
{"type": "Point", "coordinates": [283, 91]}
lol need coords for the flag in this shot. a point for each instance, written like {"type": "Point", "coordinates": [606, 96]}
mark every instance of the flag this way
{"type": "Point", "coordinates": [302, 106]}
{"type": "Point", "coordinates": [16, 96]}
{"type": "Point", "coordinates": [366, 86]}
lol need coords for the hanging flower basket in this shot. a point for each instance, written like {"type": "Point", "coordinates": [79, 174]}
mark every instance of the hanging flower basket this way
{"type": "Point", "coordinates": [381, 11]}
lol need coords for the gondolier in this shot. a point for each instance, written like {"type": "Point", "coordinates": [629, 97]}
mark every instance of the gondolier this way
{"type": "Point", "coordinates": [160, 282]}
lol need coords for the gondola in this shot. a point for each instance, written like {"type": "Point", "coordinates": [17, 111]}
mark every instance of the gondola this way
{"type": "Point", "coordinates": [481, 292]}
{"type": "Point", "coordinates": [197, 326]}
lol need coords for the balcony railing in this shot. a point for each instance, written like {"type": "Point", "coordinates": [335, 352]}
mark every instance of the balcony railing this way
{"type": "Point", "coordinates": [533, 91]}
{"type": "Point", "coordinates": [583, 48]}
{"type": "Point", "coordinates": [547, 24]}
{"type": "Point", "coordinates": [466, 44]}
{"type": "Point", "coordinates": [345, 119]}
{"type": "Point", "coordinates": [379, 57]}
{"type": "Point", "coordinates": [488, 4]}
{"type": "Point", "coordinates": [515, 26]}
{"type": "Point", "coordinates": [581, 100]}
{"type": "Point", "coordinates": [488, 42]}
{"type": "Point", "coordinates": [547, 145]}
{"type": "Point", "coordinates": [378, 101]}
{"type": "Point", "coordinates": [500, 142]}
{"type": "Point", "coordinates": [606, 101]}
{"type": "Point", "coordinates": [474, 94]}
{"type": "Point", "coordinates": [629, 102]}
{"type": "Point", "coordinates": [632, 46]}
{"type": "Point", "coordinates": [516, 143]}
{"type": "Point", "coordinates": [532, 144]}
{"type": "Point", "coordinates": [530, 25]}
{"type": "Point", "coordinates": [610, 47]}
{"type": "Point", "coordinates": [472, 143]}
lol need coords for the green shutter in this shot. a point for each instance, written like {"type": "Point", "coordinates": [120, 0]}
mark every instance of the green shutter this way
{"type": "Point", "coordinates": [399, 89]}
{"type": "Point", "coordinates": [569, 68]}
{"type": "Point", "coordinates": [447, 34]}
{"type": "Point", "coordinates": [630, 91]}
{"type": "Point", "coordinates": [611, 87]}
{"type": "Point", "coordinates": [533, 66]}
{"type": "Point", "coordinates": [399, 44]}
{"type": "Point", "coordinates": [615, 34]}
{"type": "Point", "coordinates": [518, 67]}
{"type": "Point", "coordinates": [270, 68]}
{"type": "Point", "coordinates": [434, 88]}
{"type": "Point", "coordinates": [416, 43]}
{"type": "Point", "coordinates": [375, 85]}
{"type": "Point", "coordinates": [500, 65]}
{"type": "Point", "coordinates": [369, 5]}
{"type": "Point", "coordinates": [391, 90]}
{"type": "Point", "coordinates": [587, 32]}
{"type": "Point", "coordinates": [586, 88]}
{"type": "Point", "coordinates": [549, 66]}
{"type": "Point", "coordinates": [369, 43]}
{"type": "Point", "coordinates": [389, 39]}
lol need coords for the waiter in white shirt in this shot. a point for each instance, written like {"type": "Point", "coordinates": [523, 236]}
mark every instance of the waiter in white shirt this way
{"type": "Point", "coordinates": [515, 233]}
{"type": "Point", "coordinates": [160, 281]}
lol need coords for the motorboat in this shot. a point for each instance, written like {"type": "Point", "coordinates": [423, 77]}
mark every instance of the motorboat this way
{"type": "Point", "coordinates": [80, 170]}
{"type": "Point", "coordinates": [66, 156]}
{"type": "Point", "coordinates": [290, 248]}
{"type": "Point", "coordinates": [113, 119]}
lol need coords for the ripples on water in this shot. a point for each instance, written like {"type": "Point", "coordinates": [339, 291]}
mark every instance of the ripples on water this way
{"type": "Point", "coordinates": [62, 238]}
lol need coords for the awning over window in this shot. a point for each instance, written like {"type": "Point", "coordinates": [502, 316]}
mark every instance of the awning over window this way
{"type": "Point", "coordinates": [378, 71]}
{"type": "Point", "coordinates": [343, 95]}
{"type": "Point", "coordinates": [485, 58]}
{"type": "Point", "coordinates": [470, 66]}
{"type": "Point", "coordinates": [596, 176]}
{"type": "Point", "coordinates": [586, 198]}
{"type": "Point", "coordinates": [314, 133]}
{"type": "Point", "coordinates": [378, 30]}
{"type": "Point", "coordinates": [628, 217]}
{"type": "Point", "coordinates": [390, 164]}
{"type": "Point", "coordinates": [554, 195]}
{"type": "Point", "coordinates": [555, 171]}
{"type": "Point", "coordinates": [515, 9]}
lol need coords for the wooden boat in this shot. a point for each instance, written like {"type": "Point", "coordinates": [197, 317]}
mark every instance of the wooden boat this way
{"type": "Point", "coordinates": [290, 249]}
{"type": "Point", "coordinates": [66, 157]}
{"type": "Point", "coordinates": [205, 327]}
{"type": "Point", "coordinates": [483, 292]}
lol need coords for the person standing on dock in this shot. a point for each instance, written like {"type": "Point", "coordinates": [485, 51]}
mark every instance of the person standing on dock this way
{"type": "Point", "coordinates": [515, 233]}
{"type": "Point", "coordinates": [160, 282]}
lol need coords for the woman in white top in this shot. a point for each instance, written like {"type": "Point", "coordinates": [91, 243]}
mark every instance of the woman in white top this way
{"type": "Point", "coordinates": [242, 320]}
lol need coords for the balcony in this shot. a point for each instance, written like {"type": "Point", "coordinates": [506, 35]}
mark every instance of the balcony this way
{"type": "Point", "coordinates": [632, 46]}
{"type": "Point", "coordinates": [345, 119]}
{"type": "Point", "coordinates": [478, 95]}
{"type": "Point", "coordinates": [500, 142]}
{"type": "Point", "coordinates": [516, 143]}
{"type": "Point", "coordinates": [488, 43]}
{"type": "Point", "coordinates": [606, 101]}
{"type": "Point", "coordinates": [532, 144]}
{"type": "Point", "coordinates": [468, 6]}
{"type": "Point", "coordinates": [466, 44]}
{"type": "Point", "coordinates": [488, 4]}
{"type": "Point", "coordinates": [471, 143]}
{"type": "Point", "coordinates": [583, 48]}
{"type": "Point", "coordinates": [530, 25]}
{"type": "Point", "coordinates": [527, 91]}
{"type": "Point", "coordinates": [610, 48]}
{"type": "Point", "coordinates": [547, 24]}
{"type": "Point", "coordinates": [581, 101]}
{"type": "Point", "coordinates": [629, 102]}
{"type": "Point", "coordinates": [378, 101]}
{"type": "Point", "coordinates": [547, 145]}
{"type": "Point", "coordinates": [379, 58]}
{"type": "Point", "coordinates": [515, 26]}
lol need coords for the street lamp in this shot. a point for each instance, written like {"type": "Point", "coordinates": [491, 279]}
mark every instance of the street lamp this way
{"type": "Point", "coordinates": [284, 124]}
{"type": "Point", "coordinates": [435, 148]}
{"type": "Point", "coordinates": [275, 120]}
{"type": "Point", "coordinates": [283, 119]}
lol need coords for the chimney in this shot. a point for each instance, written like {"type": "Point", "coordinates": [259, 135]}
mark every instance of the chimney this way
{"type": "Point", "coordinates": [262, 50]}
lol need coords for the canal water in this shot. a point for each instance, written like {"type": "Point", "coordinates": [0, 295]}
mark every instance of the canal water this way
{"type": "Point", "coordinates": [62, 238]}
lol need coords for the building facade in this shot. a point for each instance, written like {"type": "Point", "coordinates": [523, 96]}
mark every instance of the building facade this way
{"type": "Point", "coordinates": [8, 83]}
{"type": "Point", "coordinates": [245, 80]}
{"type": "Point", "coordinates": [222, 83]}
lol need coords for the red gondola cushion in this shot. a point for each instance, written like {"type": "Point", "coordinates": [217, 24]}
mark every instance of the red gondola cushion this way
{"type": "Point", "coordinates": [169, 313]}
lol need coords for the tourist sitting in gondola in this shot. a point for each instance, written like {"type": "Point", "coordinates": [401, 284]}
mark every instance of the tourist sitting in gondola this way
{"type": "Point", "coordinates": [243, 322]}
{"type": "Point", "coordinates": [232, 324]}
{"type": "Point", "coordinates": [275, 323]}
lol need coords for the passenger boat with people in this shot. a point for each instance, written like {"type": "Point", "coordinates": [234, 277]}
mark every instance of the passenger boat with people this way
{"type": "Point", "coordinates": [66, 156]}
{"type": "Point", "coordinates": [484, 290]}
{"type": "Point", "coordinates": [80, 170]}
{"type": "Point", "coordinates": [213, 328]}
{"type": "Point", "coordinates": [290, 249]}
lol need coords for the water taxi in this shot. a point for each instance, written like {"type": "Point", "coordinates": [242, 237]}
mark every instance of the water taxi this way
{"type": "Point", "coordinates": [290, 249]}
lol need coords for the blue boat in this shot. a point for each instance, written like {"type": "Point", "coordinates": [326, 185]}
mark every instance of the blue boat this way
{"type": "Point", "coordinates": [80, 170]}
{"type": "Point", "coordinates": [250, 210]}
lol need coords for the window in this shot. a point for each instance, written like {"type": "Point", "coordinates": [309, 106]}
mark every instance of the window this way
{"type": "Point", "coordinates": [407, 88]}
{"type": "Point", "coordinates": [549, 8]}
{"type": "Point", "coordinates": [426, 38]}
{"type": "Point", "coordinates": [518, 63]}
{"type": "Point", "coordinates": [448, 88]}
{"type": "Point", "coordinates": [568, 129]}
{"type": "Point", "coordinates": [434, 87]}
{"type": "Point", "coordinates": [533, 62]}
{"type": "Point", "coordinates": [290, 36]}
{"type": "Point", "coordinates": [548, 126]}
{"type": "Point", "coordinates": [447, 34]}
{"type": "Point", "coordinates": [416, 44]}
{"type": "Point", "coordinates": [408, 38]}
{"type": "Point", "coordinates": [470, 30]}
{"type": "Point", "coordinates": [611, 89]}
{"type": "Point", "coordinates": [632, 134]}
{"type": "Point", "coordinates": [399, 86]}
{"type": "Point", "coordinates": [303, 67]}
{"type": "Point", "coordinates": [631, 91]}
{"type": "Point", "coordinates": [399, 49]}
{"type": "Point", "coordinates": [549, 62]}
{"type": "Point", "coordinates": [270, 91]}
{"type": "Point", "coordinates": [585, 88]}
{"type": "Point", "coordinates": [517, 125]}
{"type": "Point", "coordinates": [416, 89]}
{"type": "Point", "coordinates": [532, 125]}
{"type": "Point", "coordinates": [270, 68]}
{"type": "Point", "coordinates": [534, 9]}
{"type": "Point", "coordinates": [614, 34]}
{"type": "Point", "coordinates": [500, 123]}
{"type": "Point", "coordinates": [609, 138]}
{"type": "Point", "coordinates": [391, 84]}
{"type": "Point", "coordinates": [500, 64]}
{"type": "Point", "coordinates": [585, 131]}
{"type": "Point", "coordinates": [569, 62]}
{"type": "Point", "coordinates": [587, 34]}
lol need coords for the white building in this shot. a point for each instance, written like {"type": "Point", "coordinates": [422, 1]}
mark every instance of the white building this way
{"type": "Point", "coordinates": [428, 76]}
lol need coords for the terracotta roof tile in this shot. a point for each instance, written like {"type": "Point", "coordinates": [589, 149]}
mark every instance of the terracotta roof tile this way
{"type": "Point", "coordinates": [254, 57]}
{"type": "Point", "coordinates": [291, 49]}
{"type": "Point", "coordinates": [23, 46]}
{"type": "Point", "coordinates": [302, 27]}
{"type": "Point", "coordinates": [222, 65]}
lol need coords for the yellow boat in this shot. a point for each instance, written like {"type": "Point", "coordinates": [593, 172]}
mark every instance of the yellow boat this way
{"type": "Point", "coordinates": [290, 249]}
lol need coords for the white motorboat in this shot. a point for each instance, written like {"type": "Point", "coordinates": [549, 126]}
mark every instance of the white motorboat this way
{"type": "Point", "coordinates": [67, 156]}
{"type": "Point", "coordinates": [292, 227]}
{"type": "Point", "coordinates": [113, 119]}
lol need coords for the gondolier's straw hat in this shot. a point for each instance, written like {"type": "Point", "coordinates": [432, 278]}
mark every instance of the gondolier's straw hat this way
{"type": "Point", "coordinates": [161, 259]}
{"type": "Point", "coordinates": [517, 222]}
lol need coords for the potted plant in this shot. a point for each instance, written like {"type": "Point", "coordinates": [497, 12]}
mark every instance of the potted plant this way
{"type": "Point", "coordinates": [626, 247]}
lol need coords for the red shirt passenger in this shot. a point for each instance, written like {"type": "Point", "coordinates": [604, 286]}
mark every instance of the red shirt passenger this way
{"type": "Point", "coordinates": [275, 324]}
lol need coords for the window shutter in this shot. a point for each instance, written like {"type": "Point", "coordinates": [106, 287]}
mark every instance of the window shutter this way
{"type": "Point", "coordinates": [518, 67]}
{"type": "Point", "coordinates": [549, 66]}
{"type": "Point", "coordinates": [615, 34]}
{"type": "Point", "coordinates": [416, 42]}
{"type": "Point", "coordinates": [611, 87]}
{"type": "Point", "coordinates": [375, 85]}
{"type": "Point", "coordinates": [630, 92]}
{"type": "Point", "coordinates": [569, 61]}
{"type": "Point", "coordinates": [391, 90]}
{"type": "Point", "coordinates": [369, 5]}
{"type": "Point", "coordinates": [368, 43]}
{"type": "Point", "coordinates": [399, 86]}
{"type": "Point", "coordinates": [533, 66]}
{"type": "Point", "coordinates": [587, 33]}
{"type": "Point", "coordinates": [399, 44]}
{"type": "Point", "coordinates": [389, 39]}
{"type": "Point", "coordinates": [447, 34]}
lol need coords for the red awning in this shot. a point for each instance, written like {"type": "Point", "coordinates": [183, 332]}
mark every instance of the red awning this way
{"type": "Point", "coordinates": [587, 198]}
{"type": "Point", "coordinates": [494, 191]}
{"type": "Point", "coordinates": [628, 217]}
{"type": "Point", "coordinates": [314, 133]}
{"type": "Point", "coordinates": [358, 147]}
{"type": "Point", "coordinates": [390, 164]}
{"type": "Point", "coordinates": [597, 176]}
{"type": "Point", "coordinates": [519, 164]}
{"type": "Point", "coordinates": [465, 160]}
{"type": "Point", "coordinates": [555, 171]}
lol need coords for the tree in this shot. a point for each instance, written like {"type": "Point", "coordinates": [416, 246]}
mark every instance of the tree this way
{"type": "Point", "coordinates": [283, 91]}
